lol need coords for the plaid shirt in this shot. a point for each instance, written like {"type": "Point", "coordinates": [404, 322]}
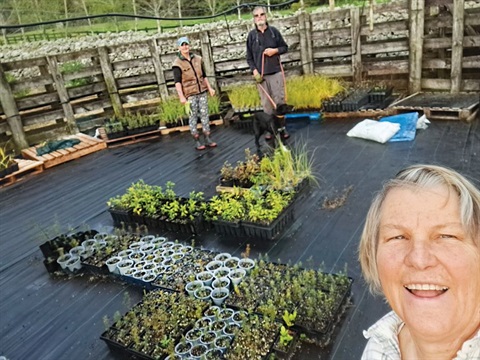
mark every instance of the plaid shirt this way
{"type": "Point", "coordinates": [383, 341]}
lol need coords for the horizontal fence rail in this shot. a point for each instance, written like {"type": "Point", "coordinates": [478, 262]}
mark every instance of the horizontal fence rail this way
{"type": "Point", "coordinates": [47, 97]}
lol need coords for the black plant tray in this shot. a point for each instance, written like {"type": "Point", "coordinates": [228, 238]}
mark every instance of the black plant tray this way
{"type": "Point", "coordinates": [117, 134]}
{"type": "Point", "coordinates": [137, 219]}
{"type": "Point", "coordinates": [49, 247]}
{"type": "Point", "coordinates": [96, 270]}
{"type": "Point", "coordinates": [51, 267]}
{"type": "Point", "coordinates": [286, 354]}
{"type": "Point", "coordinates": [301, 188]}
{"type": "Point", "coordinates": [332, 106]}
{"type": "Point", "coordinates": [120, 216]}
{"type": "Point", "coordinates": [228, 228]}
{"type": "Point", "coordinates": [137, 282]}
{"type": "Point", "coordinates": [116, 348]}
{"type": "Point", "coordinates": [378, 104]}
{"type": "Point", "coordinates": [379, 95]}
{"type": "Point", "coordinates": [325, 333]}
{"type": "Point", "coordinates": [272, 231]}
{"type": "Point", "coordinates": [195, 226]}
{"type": "Point", "coordinates": [355, 100]}
{"type": "Point", "coordinates": [244, 124]}
{"type": "Point", "coordinates": [142, 129]}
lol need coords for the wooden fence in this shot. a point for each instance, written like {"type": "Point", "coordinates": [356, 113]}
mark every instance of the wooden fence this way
{"type": "Point", "coordinates": [414, 46]}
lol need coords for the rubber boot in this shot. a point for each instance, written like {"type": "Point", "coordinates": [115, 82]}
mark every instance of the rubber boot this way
{"type": "Point", "coordinates": [198, 144]}
{"type": "Point", "coordinates": [208, 141]}
{"type": "Point", "coordinates": [284, 133]}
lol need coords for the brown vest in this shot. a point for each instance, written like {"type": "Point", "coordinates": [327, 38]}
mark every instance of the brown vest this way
{"type": "Point", "coordinates": [192, 79]}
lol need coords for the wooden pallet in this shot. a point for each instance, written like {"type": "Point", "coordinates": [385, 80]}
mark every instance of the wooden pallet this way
{"type": "Point", "coordinates": [187, 128]}
{"type": "Point", "coordinates": [86, 146]}
{"type": "Point", "coordinates": [25, 167]}
{"type": "Point", "coordinates": [130, 139]}
{"type": "Point", "coordinates": [371, 114]}
{"type": "Point", "coordinates": [441, 106]}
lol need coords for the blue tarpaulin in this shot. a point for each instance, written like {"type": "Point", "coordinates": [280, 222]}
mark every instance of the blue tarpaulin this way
{"type": "Point", "coordinates": [408, 126]}
{"type": "Point", "coordinates": [314, 116]}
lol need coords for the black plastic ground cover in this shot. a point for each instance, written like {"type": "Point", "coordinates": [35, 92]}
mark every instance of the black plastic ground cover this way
{"type": "Point", "coordinates": [43, 309]}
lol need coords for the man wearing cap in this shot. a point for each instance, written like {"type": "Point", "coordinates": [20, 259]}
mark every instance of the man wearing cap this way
{"type": "Point", "coordinates": [192, 85]}
{"type": "Point", "coordinates": [265, 44]}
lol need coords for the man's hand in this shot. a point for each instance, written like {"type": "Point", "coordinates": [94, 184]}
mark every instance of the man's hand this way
{"type": "Point", "coordinates": [211, 91]}
{"type": "Point", "coordinates": [270, 52]}
{"type": "Point", "coordinates": [258, 78]}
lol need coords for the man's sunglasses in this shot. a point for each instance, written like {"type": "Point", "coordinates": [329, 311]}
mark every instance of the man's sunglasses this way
{"type": "Point", "coordinates": [259, 15]}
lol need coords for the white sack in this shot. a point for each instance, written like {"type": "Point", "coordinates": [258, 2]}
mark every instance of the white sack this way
{"type": "Point", "coordinates": [373, 130]}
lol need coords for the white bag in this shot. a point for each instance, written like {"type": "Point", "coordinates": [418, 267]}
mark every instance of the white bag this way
{"type": "Point", "coordinates": [422, 122]}
{"type": "Point", "coordinates": [373, 130]}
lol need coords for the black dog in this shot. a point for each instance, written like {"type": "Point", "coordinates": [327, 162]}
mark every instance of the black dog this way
{"type": "Point", "coordinates": [272, 124]}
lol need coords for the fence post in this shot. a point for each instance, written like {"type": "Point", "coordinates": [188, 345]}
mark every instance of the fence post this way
{"type": "Point", "coordinates": [208, 59]}
{"type": "Point", "coordinates": [306, 52]}
{"type": "Point", "coordinates": [11, 112]}
{"type": "Point", "coordinates": [356, 30]}
{"type": "Point", "coordinates": [457, 45]}
{"type": "Point", "coordinates": [157, 65]}
{"type": "Point", "coordinates": [110, 81]}
{"type": "Point", "coordinates": [62, 94]}
{"type": "Point", "coordinates": [416, 25]}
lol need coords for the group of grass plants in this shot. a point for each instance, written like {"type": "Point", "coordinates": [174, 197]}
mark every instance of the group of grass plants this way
{"type": "Point", "coordinates": [172, 111]}
{"type": "Point", "coordinates": [303, 92]}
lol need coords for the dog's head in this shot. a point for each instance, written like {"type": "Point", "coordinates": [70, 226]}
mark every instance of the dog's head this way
{"type": "Point", "coordinates": [282, 110]}
{"type": "Point", "coordinates": [279, 114]}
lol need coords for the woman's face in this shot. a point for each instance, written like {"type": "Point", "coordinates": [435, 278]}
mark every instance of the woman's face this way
{"type": "Point", "coordinates": [429, 267]}
{"type": "Point", "coordinates": [184, 49]}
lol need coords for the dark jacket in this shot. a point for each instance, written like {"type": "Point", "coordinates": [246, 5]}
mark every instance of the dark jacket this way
{"type": "Point", "coordinates": [257, 42]}
{"type": "Point", "coordinates": [192, 74]}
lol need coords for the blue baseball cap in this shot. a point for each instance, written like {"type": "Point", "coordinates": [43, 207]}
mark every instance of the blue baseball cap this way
{"type": "Point", "coordinates": [183, 40]}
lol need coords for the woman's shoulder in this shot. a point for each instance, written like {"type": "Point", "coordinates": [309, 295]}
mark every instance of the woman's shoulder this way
{"type": "Point", "coordinates": [382, 339]}
{"type": "Point", "coordinates": [470, 349]}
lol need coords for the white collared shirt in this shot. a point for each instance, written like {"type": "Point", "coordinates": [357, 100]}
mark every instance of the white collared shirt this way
{"type": "Point", "coordinates": [383, 341]}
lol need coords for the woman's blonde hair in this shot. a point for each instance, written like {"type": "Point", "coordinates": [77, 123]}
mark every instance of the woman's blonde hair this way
{"type": "Point", "coordinates": [417, 176]}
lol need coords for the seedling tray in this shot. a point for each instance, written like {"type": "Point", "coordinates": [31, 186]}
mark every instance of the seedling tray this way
{"type": "Point", "coordinates": [272, 231]}
{"type": "Point", "coordinates": [228, 228]}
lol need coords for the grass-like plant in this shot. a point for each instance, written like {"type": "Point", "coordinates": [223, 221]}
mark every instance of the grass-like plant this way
{"type": "Point", "coordinates": [308, 91]}
{"type": "Point", "coordinates": [6, 158]}
{"type": "Point", "coordinates": [214, 104]}
{"type": "Point", "coordinates": [303, 92]}
{"type": "Point", "coordinates": [244, 96]}
{"type": "Point", "coordinates": [171, 110]}
{"type": "Point", "coordinates": [286, 168]}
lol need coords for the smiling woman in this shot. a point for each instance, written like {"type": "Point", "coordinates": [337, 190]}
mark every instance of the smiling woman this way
{"type": "Point", "coordinates": [420, 247]}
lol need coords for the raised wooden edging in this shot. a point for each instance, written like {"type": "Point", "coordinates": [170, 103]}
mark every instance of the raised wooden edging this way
{"type": "Point", "coordinates": [187, 128]}
{"type": "Point", "coordinates": [86, 146]}
{"type": "Point", "coordinates": [24, 167]}
{"type": "Point", "coordinates": [130, 139]}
